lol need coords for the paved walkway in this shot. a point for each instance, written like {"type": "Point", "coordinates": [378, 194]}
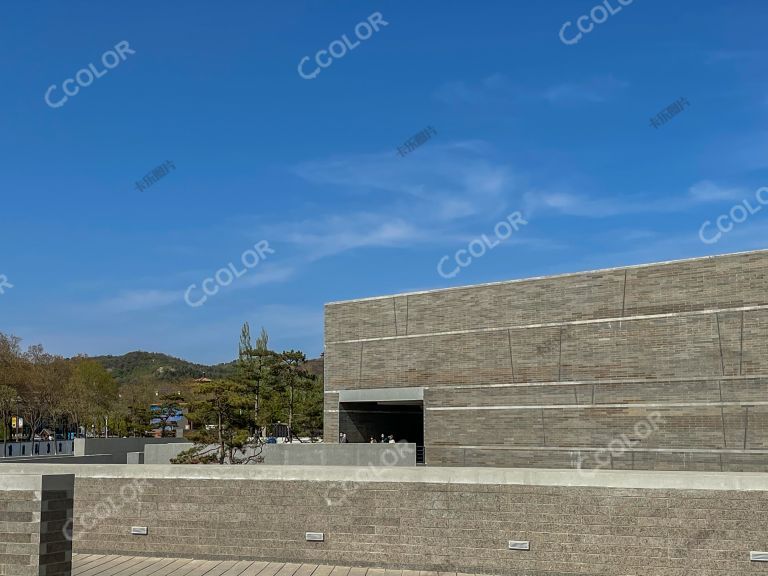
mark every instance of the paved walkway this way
{"type": "Point", "coordinates": [99, 565]}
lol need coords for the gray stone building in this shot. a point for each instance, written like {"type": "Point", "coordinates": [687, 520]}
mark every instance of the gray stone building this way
{"type": "Point", "coordinates": [654, 367]}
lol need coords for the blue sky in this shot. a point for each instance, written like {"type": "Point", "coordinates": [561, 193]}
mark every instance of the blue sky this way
{"type": "Point", "coordinates": [523, 121]}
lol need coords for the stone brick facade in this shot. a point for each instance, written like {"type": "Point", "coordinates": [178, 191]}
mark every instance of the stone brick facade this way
{"type": "Point", "coordinates": [34, 514]}
{"type": "Point", "coordinates": [545, 371]}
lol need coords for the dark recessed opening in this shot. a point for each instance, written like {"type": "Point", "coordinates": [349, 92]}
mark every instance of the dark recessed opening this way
{"type": "Point", "coordinates": [362, 420]}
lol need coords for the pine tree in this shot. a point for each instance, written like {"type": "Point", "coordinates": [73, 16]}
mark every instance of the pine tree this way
{"type": "Point", "coordinates": [255, 364]}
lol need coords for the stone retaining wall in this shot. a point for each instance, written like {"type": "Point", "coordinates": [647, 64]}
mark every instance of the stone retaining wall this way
{"type": "Point", "coordinates": [442, 519]}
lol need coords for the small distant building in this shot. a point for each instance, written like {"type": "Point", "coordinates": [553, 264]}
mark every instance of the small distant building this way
{"type": "Point", "coordinates": [174, 425]}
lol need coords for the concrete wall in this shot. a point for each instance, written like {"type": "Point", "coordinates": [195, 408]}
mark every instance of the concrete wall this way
{"type": "Point", "coordinates": [137, 457]}
{"type": "Point", "coordinates": [34, 511]}
{"type": "Point", "coordinates": [65, 459]}
{"type": "Point", "coordinates": [162, 453]}
{"type": "Point", "coordinates": [118, 447]}
{"type": "Point", "coordinates": [36, 449]}
{"type": "Point", "coordinates": [400, 454]}
{"type": "Point", "coordinates": [540, 372]}
{"type": "Point", "coordinates": [442, 519]}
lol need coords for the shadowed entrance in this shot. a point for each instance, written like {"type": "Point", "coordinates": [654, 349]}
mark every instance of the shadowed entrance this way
{"type": "Point", "coordinates": [362, 420]}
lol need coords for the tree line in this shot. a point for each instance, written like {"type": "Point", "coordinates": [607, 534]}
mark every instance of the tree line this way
{"type": "Point", "coordinates": [52, 392]}
{"type": "Point", "coordinates": [79, 396]}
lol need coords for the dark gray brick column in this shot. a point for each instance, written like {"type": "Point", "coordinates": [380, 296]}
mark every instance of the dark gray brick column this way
{"type": "Point", "coordinates": [35, 513]}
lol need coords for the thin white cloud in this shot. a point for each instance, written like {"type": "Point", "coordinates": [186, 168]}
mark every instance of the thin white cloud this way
{"type": "Point", "coordinates": [721, 56]}
{"type": "Point", "coordinates": [452, 181]}
{"type": "Point", "coordinates": [585, 205]}
{"type": "Point", "coordinates": [498, 89]}
{"type": "Point", "coordinates": [427, 198]}
{"type": "Point", "coordinates": [708, 191]}
{"type": "Point", "coordinates": [269, 274]}
{"type": "Point", "coordinates": [494, 89]}
{"type": "Point", "coordinates": [417, 200]}
{"type": "Point", "coordinates": [591, 91]}
{"type": "Point", "coordinates": [576, 204]}
{"type": "Point", "coordinates": [138, 300]}
{"type": "Point", "coordinates": [336, 234]}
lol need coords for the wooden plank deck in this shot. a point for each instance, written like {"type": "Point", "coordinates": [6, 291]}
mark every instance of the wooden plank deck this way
{"type": "Point", "coordinates": [101, 565]}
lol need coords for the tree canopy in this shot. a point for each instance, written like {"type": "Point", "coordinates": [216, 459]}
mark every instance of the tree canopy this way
{"type": "Point", "coordinates": [238, 406]}
{"type": "Point", "coordinates": [232, 417]}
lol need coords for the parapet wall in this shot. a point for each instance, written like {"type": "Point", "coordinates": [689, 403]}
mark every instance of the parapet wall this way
{"type": "Point", "coordinates": [442, 519]}
{"type": "Point", "coordinates": [38, 449]}
{"type": "Point", "coordinates": [118, 448]}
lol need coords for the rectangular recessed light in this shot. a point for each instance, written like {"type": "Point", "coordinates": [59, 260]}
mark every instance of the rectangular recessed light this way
{"type": "Point", "coordinates": [315, 536]}
{"type": "Point", "coordinates": [758, 556]}
{"type": "Point", "coordinates": [519, 545]}
{"type": "Point", "coordinates": [139, 530]}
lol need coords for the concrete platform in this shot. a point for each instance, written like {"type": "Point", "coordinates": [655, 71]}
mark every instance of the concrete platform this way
{"type": "Point", "coordinates": [98, 565]}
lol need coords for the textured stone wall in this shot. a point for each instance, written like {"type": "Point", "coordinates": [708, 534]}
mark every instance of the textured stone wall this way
{"type": "Point", "coordinates": [527, 373]}
{"type": "Point", "coordinates": [319, 454]}
{"type": "Point", "coordinates": [34, 514]}
{"type": "Point", "coordinates": [442, 519]}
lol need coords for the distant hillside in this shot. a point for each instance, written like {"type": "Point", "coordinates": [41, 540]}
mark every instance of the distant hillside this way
{"type": "Point", "coordinates": [156, 368]}
{"type": "Point", "coordinates": [136, 367]}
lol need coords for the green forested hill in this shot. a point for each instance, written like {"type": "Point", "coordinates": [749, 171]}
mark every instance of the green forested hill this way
{"type": "Point", "coordinates": [157, 369]}
{"type": "Point", "coordinates": [153, 367]}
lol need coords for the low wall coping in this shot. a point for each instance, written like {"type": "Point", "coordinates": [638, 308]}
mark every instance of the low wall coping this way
{"type": "Point", "coordinates": [653, 480]}
{"type": "Point", "coordinates": [35, 481]}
